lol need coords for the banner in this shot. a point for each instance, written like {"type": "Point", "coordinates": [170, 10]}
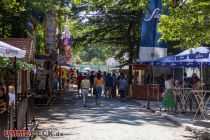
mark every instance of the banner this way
{"type": "Point", "coordinates": [50, 31]}
{"type": "Point", "coordinates": [67, 42]}
{"type": "Point", "coordinates": [67, 50]}
{"type": "Point", "coordinates": [149, 48]}
{"type": "Point", "coordinates": [60, 58]}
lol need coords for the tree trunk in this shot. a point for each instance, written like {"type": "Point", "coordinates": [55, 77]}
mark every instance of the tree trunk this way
{"type": "Point", "coordinates": [130, 60]}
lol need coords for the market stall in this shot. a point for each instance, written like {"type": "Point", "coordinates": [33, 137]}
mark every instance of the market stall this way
{"type": "Point", "coordinates": [146, 82]}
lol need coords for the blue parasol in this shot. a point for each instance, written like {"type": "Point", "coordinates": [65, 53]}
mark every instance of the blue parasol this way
{"type": "Point", "coordinates": [194, 57]}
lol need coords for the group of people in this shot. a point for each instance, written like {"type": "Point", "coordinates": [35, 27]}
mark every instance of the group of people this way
{"type": "Point", "coordinates": [170, 98]}
{"type": "Point", "coordinates": [7, 99]}
{"type": "Point", "coordinates": [98, 83]}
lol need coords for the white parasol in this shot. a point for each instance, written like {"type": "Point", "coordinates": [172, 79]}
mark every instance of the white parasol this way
{"type": "Point", "coordinates": [7, 50]}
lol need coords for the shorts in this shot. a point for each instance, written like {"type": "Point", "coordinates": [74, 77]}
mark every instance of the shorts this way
{"type": "Point", "coordinates": [85, 91]}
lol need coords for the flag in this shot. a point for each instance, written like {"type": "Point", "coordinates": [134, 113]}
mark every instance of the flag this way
{"type": "Point", "coordinates": [149, 48]}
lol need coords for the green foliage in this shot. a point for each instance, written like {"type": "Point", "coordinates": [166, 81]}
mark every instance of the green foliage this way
{"type": "Point", "coordinates": [13, 19]}
{"type": "Point", "coordinates": [76, 1]}
{"type": "Point", "coordinates": [187, 24]}
{"type": "Point", "coordinates": [6, 63]}
{"type": "Point", "coordinates": [24, 65]}
{"type": "Point", "coordinates": [111, 25]}
{"type": "Point", "coordinates": [132, 5]}
{"type": "Point", "coordinates": [96, 61]}
{"type": "Point", "coordinates": [12, 5]}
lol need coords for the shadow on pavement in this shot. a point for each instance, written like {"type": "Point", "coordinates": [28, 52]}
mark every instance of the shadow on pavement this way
{"type": "Point", "coordinates": [68, 106]}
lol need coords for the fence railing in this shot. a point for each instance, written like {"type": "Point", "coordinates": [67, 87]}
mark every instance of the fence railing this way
{"type": "Point", "coordinates": [21, 113]}
{"type": "Point", "coordinates": [25, 115]}
{"type": "Point", "coordinates": [30, 109]}
{"type": "Point", "coordinates": [25, 112]}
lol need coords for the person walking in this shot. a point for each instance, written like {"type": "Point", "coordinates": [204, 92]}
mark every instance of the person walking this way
{"type": "Point", "coordinates": [108, 86]}
{"type": "Point", "coordinates": [104, 79]}
{"type": "Point", "coordinates": [79, 80]}
{"type": "Point", "coordinates": [56, 86]}
{"type": "Point", "coordinates": [91, 78]}
{"type": "Point", "coordinates": [98, 82]}
{"type": "Point", "coordinates": [85, 84]}
{"type": "Point", "coordinates": [122, 86]}
{"type": "Point", "coordinates": [114, 84]}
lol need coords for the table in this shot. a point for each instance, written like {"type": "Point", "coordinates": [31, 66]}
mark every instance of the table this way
{"type": "Point", "coordinates": [199, 96]}
{"type": "Point", "coordinates": [183, 95]}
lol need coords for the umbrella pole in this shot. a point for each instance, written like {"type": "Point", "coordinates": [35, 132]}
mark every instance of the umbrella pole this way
{"type": "Point", "coordinates": [201, 75]}
{"type": "Point", "coordinates": [183, 70]}
{"type": "Point", "coordinates": [60, 80]}
{"type": "Point", "coordinates": [173, 73]}
{"type": "Point", "coordinates": [16, 105]}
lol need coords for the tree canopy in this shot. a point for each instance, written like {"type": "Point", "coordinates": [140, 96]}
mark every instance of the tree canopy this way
{"type": "Point", "coordinates": [108, 27]}
{"type": "Point", "coordinates": [188, 23]}
{"type": "Point", "coordinates": [113, 25]}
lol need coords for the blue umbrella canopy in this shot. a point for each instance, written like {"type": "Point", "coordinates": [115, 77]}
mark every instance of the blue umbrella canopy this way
{"type": "Point", "coordinates": [200, 54]}
{"type": "Point", "coordinates": [170, 61]}
{"type": "Point", "coordinates": [165, 61]}
{"type": "Point", "coordinates": [194, 57]}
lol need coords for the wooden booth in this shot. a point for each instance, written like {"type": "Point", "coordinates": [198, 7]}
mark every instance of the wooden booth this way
{"type": "Point", "coordinates": [147, 81]}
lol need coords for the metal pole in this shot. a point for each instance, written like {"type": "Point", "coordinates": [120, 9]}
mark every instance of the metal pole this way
{"type": "Point", "coordinates": [173, 73]}
{"type": "Point", "coordinates": [16, 105]}
{"type": "Point", "coordinates": [60, 80]}
{"type": "Point", "coordinates": [201, 73]}
{"type": "Point", "coordinates": [183, 71]}
{"type": "Point", "coordinates": [15, 67]}
{"type": "Point", "coordinates": [26, 121]}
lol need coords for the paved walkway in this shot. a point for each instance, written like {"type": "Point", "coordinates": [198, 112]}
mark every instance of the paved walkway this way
{"type": "Point", "coordinates": [114, 120]}
{"type": "Point", "coordinates": [199, 126]}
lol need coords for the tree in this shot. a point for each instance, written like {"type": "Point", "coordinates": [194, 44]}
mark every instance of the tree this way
{"type": "Point", "coordinates": [115, 24]}
{"type": "Point", "coordinates": [187, 24]}
{"type": "Point", "coordinates": [20, 18]}
{"type": "Point", "coordinates": [108, 21]}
